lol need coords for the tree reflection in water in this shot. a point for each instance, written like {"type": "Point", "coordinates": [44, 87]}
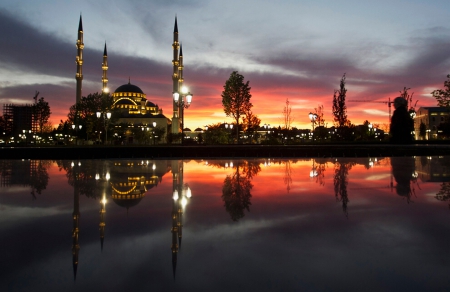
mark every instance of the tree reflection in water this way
{"type": "Point", "coordinates": [444, 193]}
{"type": "Point", "coordinates": [39, 177]}
{"type": "Point", "coordinates": [237, 187]}
{"type": "Point", "coordinates": [83, 179]}
{"type": "Point", "coordinates": [318, 171]}
{"type": "Point", "coordinates": [287, 179]}
{"type": "Point", "coordinates": [340, 183]}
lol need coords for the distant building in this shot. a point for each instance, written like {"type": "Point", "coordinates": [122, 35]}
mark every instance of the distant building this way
{"type": "Point", "coordinates": [19, 119]}
{"type": "Point", "coordinates": [431, 117]}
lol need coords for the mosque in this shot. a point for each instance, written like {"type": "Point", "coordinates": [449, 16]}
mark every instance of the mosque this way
{"type": "Point", "coordinates": [129, 100]}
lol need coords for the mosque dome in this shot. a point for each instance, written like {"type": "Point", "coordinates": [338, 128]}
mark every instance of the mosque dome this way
{"type": "Point", "coordinates": [128, 88]}
{"type": "Point", "coordinates": [129, 91]}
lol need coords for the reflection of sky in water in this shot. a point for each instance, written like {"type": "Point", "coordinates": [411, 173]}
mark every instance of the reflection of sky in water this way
{"type": "Point", "coordinates": [289, 240]}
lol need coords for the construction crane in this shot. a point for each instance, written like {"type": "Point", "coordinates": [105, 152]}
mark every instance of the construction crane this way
{"type": "Point", "coordinates": [388, 102]}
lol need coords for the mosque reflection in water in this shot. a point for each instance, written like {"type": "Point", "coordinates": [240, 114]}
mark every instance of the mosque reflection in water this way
{"type": "Point", "coordinates": [126, 182]}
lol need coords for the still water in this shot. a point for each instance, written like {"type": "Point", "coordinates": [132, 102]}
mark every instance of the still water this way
{"type": "Point", "coordinates": [362, 224]}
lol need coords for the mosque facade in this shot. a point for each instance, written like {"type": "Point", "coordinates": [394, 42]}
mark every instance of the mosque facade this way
{"type": "Point", "coordinates": [130, 103]}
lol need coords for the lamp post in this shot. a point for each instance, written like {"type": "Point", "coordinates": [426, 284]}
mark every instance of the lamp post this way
{"type": "Point", "coordinates": [266, 126]}
{"type": "Point", "coordinates": [153, 132]}
{"type": "Point", "coordinates": [74, 127]}
{"type": "Point", "coordinates": [231, 129]}
{"type": "Point", "coordinates": [106, 117]}
{"type": "Point", "coordinates": [182, 100]}
{"type": "Point", "coordinates": [313, 118]}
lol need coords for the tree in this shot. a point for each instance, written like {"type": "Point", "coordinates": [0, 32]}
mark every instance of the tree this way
{"type": "Point", "coordinates": [339, 107]}
{"type": "Point", "coordinates": [84, 112]}
{"type": "Point", "coordinates": [410, 104]}
{"type": "Point", "coordinates": [320, 121]}
{"type": "Point", "coordinates": [443, 95]}
{"type": "Point", "coordinates": [216, 135]}
{"type": "Point", "coordinates": [236, 98]}
{"type": "Point", "coordinates": [42, 113]}
{"type": "Point", "coordinates": [287, 114]}
{"type": "Point", "coordinates": [251, 124]}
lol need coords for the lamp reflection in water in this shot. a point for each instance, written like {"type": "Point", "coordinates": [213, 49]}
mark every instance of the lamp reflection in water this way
{"type": "Point", "coordinates": [75, 218]}
{"type": "Point", "coordinates": [180, 196]}
{"type": "Point", "coordinates": [103, 201]}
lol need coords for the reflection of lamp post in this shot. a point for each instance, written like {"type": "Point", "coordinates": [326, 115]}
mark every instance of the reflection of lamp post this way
{"type": "Point", "coordinates": [313, 118]}
{"type": "Point", "coordinates": [313, 172]}
{"type": "Point", "coordinates": [106, 117]}
{"type": "Point", "coordinates": [182, 101]}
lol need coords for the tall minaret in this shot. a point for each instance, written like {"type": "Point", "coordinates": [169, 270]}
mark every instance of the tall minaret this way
{"type": "Point", "coordinates": [175, 79]}
{"type": "Point", "coordinates": [105, 71]}
{"type": "Point", "coordinates": [79, 60]}
{"type": "Point", "coordinates": [180, 69]}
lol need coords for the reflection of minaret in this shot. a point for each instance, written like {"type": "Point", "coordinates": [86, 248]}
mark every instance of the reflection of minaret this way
{"type": "Point", "coordinates": [105, 70]}
{"type": "Point", "coordinates": [79, 60]}
{"type": "Point", "coordinates": [175, 79]}
{"type": "Point", "coordinates": [75, 230]}
{"type": "Point", "coordinates": [102, 220]}
{"type": "Point", "coordinates": [174, 231]}
{"type": "Point", "coordinates": [181, 192]}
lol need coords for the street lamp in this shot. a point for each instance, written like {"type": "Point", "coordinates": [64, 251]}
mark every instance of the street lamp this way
{"type": "Point", "coordinates": [74, 127]}
{"type": "Point", "coordinates": [313, 118]}
{"type": "Point", "coordinates": [182, 100]}
{"type": "Point", "coordinates": [229, 126]}
{"type": "Point", "coordinates": [153, 132]}
{"type": "Point", "coordinates": [106, 117]}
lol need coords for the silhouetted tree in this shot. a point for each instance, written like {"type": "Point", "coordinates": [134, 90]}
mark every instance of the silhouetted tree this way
{"type": "Point", "coordinates": [443, 95]}
{"type": "Point", "coordinates": [84, 112]}
{"type": "Point", "coordinates": [250, 124]}
{"type": "Point", "coordinates": [216, 135]}
{"type": "Point", "coordinates": [287, 114]}
{"type": "Point", "coordinates": [339, 106]}
{"type": "Point", "coordinates": [236, 99]}
{"type": "Point", "coordinates": [42, 113]}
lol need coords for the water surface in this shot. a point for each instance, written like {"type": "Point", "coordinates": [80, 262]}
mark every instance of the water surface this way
{"type": "Point", "coordinates": [225, 225]}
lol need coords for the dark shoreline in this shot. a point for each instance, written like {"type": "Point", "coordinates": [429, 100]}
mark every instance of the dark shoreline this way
{"type": "Point", "coordinates": [224, 151]}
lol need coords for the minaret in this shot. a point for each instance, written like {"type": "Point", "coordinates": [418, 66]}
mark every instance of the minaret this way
{"type": "Point", "coordinates": [175, 79]}
{"type": "Point", "coordinates": [79, 60]}
{"type": "Point", "coordinates": [105, 71]}
{"type": "Point", "coordinates": [180, 69]}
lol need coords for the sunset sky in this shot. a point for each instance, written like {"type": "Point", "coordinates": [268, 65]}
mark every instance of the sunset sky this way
{"type": "Point", "coordinates": [289, 49]}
